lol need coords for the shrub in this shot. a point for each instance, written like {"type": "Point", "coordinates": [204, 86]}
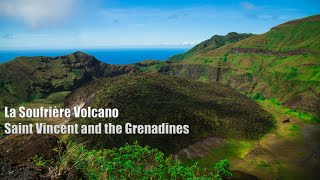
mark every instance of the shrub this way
{"type": "Point", "coordinates": [258, 96]}
{"type": "Point", "coordinates": [221, 170]}
{"type": "Point", "coordinates": [132, 162]}
{"type": "Point", "coordinates": [275, 101]}
{"type": "Point", "coordinates": [40, 162]}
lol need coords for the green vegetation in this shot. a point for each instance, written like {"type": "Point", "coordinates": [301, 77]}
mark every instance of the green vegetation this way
{"type": "Point", "coordinates": [40, 162]}
{"type": "Point", "coordinates": [129, 162]}
{"type": "Point", "coordinates": [149, 66]}
{"type": "Point", "coordinates": [54, 99]}
{"type": "Point", "coordinates": [304, 116]}
{"type": "Point", "coordinates": [204, 78]}
{"type": "Point", "coordinates": [293, 78]}
{"type": "Point", "coordinates": [258, 96]}
{"type": "Point", "coordinates": [261, 158]}
{"type": "Point", "coordinates": [221, 170]}
{"type": "Point", "coordinates": [25, 79]}
{"type": "Point", "coordinates": [231, 149]}
{"type": "Point", "coordinates": [209, 110]}
{"type": "Point", "coordinates": [294, 130]}
{"type": "Point", "coordinates": [213, 43]}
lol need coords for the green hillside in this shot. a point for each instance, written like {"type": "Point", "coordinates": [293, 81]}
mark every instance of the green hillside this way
{"type": "Point", "coordinates": [282, 63]}
{"type": "Point", "coordinates": [27, 78]}
{"type": "Point", "coordinates": [209, 110]}
{"type": "Point", "coordinates": [214, 42]}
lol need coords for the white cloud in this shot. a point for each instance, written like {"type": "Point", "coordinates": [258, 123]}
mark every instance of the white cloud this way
{"type": "Point", "coordinates": [247, 5]}
{"type": "Point", "coordinates": [187, 43]}
{"type": "Point", "coordinates": [35, 13]}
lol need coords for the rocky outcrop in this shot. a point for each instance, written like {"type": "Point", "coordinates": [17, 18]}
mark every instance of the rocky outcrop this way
{"type": "Point", "coordinates": [11, 172]}
{"type": "Point", "coordinates": [307, 101]}
{"type": "Point", "coordinates": [18, 151]}
{"type": "Point", "coordinates": [194, 71]}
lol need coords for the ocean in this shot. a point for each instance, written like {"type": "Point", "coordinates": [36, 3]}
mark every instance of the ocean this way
{"type": "Point", "coordinates": [110, 56]}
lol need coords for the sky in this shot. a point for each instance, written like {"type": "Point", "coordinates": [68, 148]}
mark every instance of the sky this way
{"type": "Point", "coordinates": [75, 24]}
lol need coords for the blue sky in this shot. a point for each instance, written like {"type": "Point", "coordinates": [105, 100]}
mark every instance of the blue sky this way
{"type": "Point", "coordinates": [78, 24]}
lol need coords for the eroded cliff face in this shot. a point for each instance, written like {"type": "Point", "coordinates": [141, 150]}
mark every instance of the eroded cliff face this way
{"type": "Point", "coordinates": [195, 71]}
{"type": "Point", "coordinates": [307, 101]}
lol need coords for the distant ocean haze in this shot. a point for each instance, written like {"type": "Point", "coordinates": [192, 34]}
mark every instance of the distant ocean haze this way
{"type": "Point", "coordinates": [110, 56]}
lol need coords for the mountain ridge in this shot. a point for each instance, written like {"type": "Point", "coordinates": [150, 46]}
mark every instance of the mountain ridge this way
{"type": "Point", "coordinates": [214, 42]}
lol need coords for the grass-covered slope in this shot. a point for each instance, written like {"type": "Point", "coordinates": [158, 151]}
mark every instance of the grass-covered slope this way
{"type": "Point", "coordinates": [282, 63]}
{"type": "Point", "coordinates": [209, 110]}
{"type": "Point", "coordinates": [293, 35]}
{"type": "Point", "coordinates": [214, 42]}
{"type": "Point", "coordinates": [28, 78]}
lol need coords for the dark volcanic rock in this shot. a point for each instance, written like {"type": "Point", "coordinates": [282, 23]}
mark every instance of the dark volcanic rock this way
{"type": "Point", "coordinates": [286, 121]}
{"type": "Point", "coordinates": [20, 149]}
{"type": "Point", "coordinates": [17, 151]}
{"type": "Point", "coordinates": [10, 172]}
